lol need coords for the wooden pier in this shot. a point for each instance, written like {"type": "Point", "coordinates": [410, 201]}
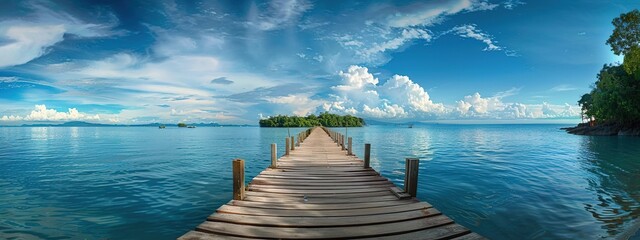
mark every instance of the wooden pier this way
{"type": "Point", "coordinates": [319, 190]}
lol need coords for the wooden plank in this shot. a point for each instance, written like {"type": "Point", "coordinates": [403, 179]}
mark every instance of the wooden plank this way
{"type": "Point", "coordinates": [325, 178]}
{"type": "Point", "coordinates": [385, 186]}
{"type": "Point", "coordinates": [275, 182]}
{"type": "Point", "coordinates": [323, 232]}
{"type": "Point", "coordinates": [399, 193]}
{"type": "Point", "coordinates": [319, 191]}
{"type": "Point", "coordinates": [441, 232]}
{"type": "Point", "coordinates": [315, 206]}
{"type": "Point", "coordinates": [195, 235]}
{"type": "Point", "coordinates": [322, 213]}
{"type": "Point", "coordinates": [309, 195]}
{"type": "Point", "coordinates": [322, 221]}
{"type": "Point", "coordinates": [300, 200]}
{"type": "Point", "coordinates": [470, 236]}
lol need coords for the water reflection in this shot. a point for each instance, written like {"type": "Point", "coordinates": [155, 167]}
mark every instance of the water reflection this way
{"type": "Point", "coordinates": [615, 174]}
{"type": "Point", "coordinates": [39, 133]}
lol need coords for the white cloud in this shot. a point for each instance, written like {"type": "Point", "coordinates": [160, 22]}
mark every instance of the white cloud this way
{"type": "Point", "coordinates": [562, 88]}
{"type": "Point", "coordinates": [30, 39]}
{"type": "Point", "coordinates": [407, 35]}
{"type": "Point", "coordinates": [41, 113]}
{"type": "Point", "coordinates": [356, 77]}
{"type": "Point", "coordinates": [431, 13]}
{"type": "Point", "coordinates": [398, 97]}
{"type": "Point", "coordinates": [400, 89]}
{"type": "Point", "coordinates": [471, 31]}
{"type": "Point", "coordinates": [299, 104]}
{"type": "Point", "coordinates": [476, 107]}
{"type": "Point", "coordinates": [279, 13]}
{"type": "Point", "coordinates": [511, 4]}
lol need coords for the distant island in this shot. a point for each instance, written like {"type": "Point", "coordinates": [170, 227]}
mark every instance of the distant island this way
{"type": "Point", "coordinates": [324, 119]}
{"type": "Point", "coordinates": [88, 124]}
{"type": "Point", "coordinates": [613, 105]}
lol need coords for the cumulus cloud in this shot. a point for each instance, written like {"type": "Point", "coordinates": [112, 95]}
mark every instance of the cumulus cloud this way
{"type": "Point", "coordinates": [477, 107]}
{"type": "Point", "coordinates": [398, 97]}
{"type": "Point", "coordinates": [41, 113]}
{"type": "Point", "coordinates": [299, 104]}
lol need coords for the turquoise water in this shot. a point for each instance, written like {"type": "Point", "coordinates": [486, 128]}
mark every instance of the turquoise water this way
{"type": "Point", "coordinates": [502, 181]}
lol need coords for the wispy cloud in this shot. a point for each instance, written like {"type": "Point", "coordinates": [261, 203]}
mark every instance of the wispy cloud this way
{"type": "Point", "coordinates": [278, 14]}
{"type": "Point", "coordinates": [27, 39]}
{"type": "Point", "coordinates": [471, 31]}
{"type": "Point", "coordinates": [563, 88]}
{"type": "Point", "coordinates": [511, 4]}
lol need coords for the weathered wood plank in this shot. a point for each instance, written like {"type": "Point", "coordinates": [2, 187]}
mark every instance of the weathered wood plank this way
{"type": "Point", "coordinates": [322, 213]}
{"type": "Point", "coordinates": [300, 200]}
{"type": "Point", "coordinates": [323, 232]}
{"type": "Point", "coordinates": [322, 221]}
{"type": "Point", "coordinates": [195, 235]}
{"type": "Point", "coordinates": [315, 206]}
{"type": "Point", "coordinates": [440, 232]}
{"type": "Point", "coordinates": [470, 236]}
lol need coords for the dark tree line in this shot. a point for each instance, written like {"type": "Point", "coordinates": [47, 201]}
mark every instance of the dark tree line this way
{"type": "Point", "coordinates": [324, 119]}
{"type": "Point", "coordinates": [615, 97]}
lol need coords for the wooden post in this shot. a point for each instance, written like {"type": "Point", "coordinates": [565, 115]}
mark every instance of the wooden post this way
{"type": "Point", "coordinates": [367, 155]}
{"type": "Point", "coordinates": [411, 176]}
{"type": "Point", "coordinates": [274, 156]}
{"type": "Point", "coordinates": [350, 151]}
{"type": "Point", "coordinates": [342, 141]}
{"type": "Point", "coordinates": [293, 143]}
{"type": "Point", "coordinates": [286, 146]}
{"type": "Point", "coordinates": [238, 179]}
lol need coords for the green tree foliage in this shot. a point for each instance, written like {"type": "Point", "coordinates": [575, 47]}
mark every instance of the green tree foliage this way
{"type": "Point", "coordinates": [625, 39]}
{"type": "Point", "coordinates": [626, 33]}
{"type": "Point", "coordinates": [615, 96]}
{"type": "Point", "coordinates": [324, 119]}
{"type": "Point", "coordinates": [182, 125]}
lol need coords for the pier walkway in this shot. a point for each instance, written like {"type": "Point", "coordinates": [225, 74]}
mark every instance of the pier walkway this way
{"type": "Point", "coordinates": [319, 191]}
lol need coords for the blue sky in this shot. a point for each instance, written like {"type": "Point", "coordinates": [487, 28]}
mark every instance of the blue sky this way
{"type": "Point", "coordinates": [237, 61]}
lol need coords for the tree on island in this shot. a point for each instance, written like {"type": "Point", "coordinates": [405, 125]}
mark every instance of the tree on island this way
{"type": "Point", "coordinates": [324, 119]}
{"type": "Point", "coordinates": [615, 97]}
{"type": "Point", "coordinates": [182, 125]}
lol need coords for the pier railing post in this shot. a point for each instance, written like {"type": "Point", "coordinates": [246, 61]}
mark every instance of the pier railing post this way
{"type": "Point", "coordinates": [411, 176]}
{"type": "Point", "coordinates": [349, 150]}
{"type": "Point", "coordinates": [367, 155]}
{"type": "Point", "coordinates": [274, 156]}
{"type": "Point", "coordinates": [286, 146]}
{"type": "Point", "coordinates": [293, 143]}
{"type": "Point", "coordinates": [342, 142]}
{"type": "Point", "coordinates": [238, 179]}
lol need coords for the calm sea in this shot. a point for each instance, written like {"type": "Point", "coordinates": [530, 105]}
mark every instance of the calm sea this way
{"type": "Point", "coordinates": [502, 181]}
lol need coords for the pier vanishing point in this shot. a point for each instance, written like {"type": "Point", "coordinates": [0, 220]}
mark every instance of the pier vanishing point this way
{"type": "Point", "coordinates": [320, 190]}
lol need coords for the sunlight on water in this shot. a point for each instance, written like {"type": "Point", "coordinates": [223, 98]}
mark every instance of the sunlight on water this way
{"type": "Point", "coordinates": [502, 181]}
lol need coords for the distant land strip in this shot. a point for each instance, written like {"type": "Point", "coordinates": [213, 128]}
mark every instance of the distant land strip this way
{"type": "Point", "coordinates": [324, 119]}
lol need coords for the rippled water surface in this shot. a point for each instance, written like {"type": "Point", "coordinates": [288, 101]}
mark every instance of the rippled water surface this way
{"type": "Point", "coordinates": [502, 181]}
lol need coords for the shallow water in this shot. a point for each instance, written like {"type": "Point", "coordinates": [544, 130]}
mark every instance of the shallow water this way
{"type": "Point", "coordinates": [502, 181]}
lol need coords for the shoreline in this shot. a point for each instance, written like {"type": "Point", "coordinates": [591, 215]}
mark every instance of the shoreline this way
{"type": "Point", "coordinates": [605, 129]}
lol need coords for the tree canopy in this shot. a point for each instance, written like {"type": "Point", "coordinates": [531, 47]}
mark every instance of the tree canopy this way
{"type": "Point", "coordinates": [615, 96]}
{"type": "Point", "coordinates": [324, 119]}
